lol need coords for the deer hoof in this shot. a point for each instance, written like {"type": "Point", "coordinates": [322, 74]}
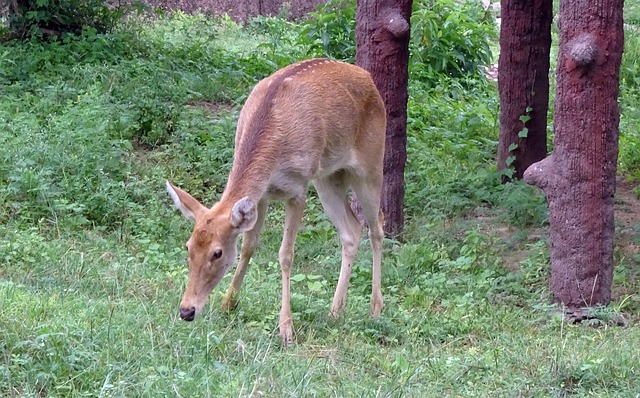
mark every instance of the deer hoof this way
{"type": "Point", "coordinates": [286, 333]}
{"type": "Point", "coordinates": [334, 313]}
{"type": "Point", "coordinates": [229, 304]}
{"type": "Point", "coordinates": [376, 305]}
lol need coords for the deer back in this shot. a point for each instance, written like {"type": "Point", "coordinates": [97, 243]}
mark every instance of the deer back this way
{"type": "Point", "coordinates": [305, 121]}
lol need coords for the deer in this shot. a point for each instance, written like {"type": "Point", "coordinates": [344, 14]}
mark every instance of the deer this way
{"type": "Point", "coordinates": [318, 121]}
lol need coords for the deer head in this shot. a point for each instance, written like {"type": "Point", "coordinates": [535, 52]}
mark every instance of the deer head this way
{"type": "Point", "coordinates": [212, 245]}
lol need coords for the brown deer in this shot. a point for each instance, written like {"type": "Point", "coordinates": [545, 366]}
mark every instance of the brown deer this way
{"type": "Point", "coordinates": [318, 120]}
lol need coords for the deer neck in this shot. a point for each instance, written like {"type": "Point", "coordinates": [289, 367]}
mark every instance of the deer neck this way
{"type": "Point", "coordinates": [253, 166]}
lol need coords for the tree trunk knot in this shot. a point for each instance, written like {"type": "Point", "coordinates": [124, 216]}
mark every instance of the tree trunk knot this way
{"type": "Point", "coordinates": [540, 174]}
{"type": "Point", "coordinates": [583, 49]}
{"type": "Point", "coordinates": [395, 24]}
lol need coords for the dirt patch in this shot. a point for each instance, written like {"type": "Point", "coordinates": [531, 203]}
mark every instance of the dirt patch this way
{"type": "Point", "coordinates": [516, 240]}
{"type": "Point", "coordinates": [627, 240]}
{"type": "Point", "coordinates": [212, 108]}
{"type": "Point", "coordinates": [627, 214]}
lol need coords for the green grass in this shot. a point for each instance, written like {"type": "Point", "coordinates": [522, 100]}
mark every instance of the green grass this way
{"type": "Point", "coordinates": [92, 267]}
{"type": "Point", "coordinates": [104, 322]}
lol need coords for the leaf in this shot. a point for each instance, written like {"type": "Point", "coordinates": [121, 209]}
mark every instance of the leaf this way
{"type": "Point", "coordinates": [325, 40]}
{"type": "Point", "coordinates": [314, 286]}
{"type": "Point", "coordinates": [298, 277]}
{"type": "Point", "coordinates": [507, 172]}
{"type": "Point", "coordinates": [513, 147]}
{"type": "Point", "coordinates": [525, 118]}
{"type": "Point", "coordinates": [524, 133]}
{"type": "Point", "coordinates": [510, 160]}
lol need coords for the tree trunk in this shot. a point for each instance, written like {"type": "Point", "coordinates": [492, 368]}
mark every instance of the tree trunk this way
{"type": "Point", "coordinates": [579, 178]}
{"type": "Point", "coordinates": [382, 48]}
{"type": "Point", "coordinates": [523, 83]}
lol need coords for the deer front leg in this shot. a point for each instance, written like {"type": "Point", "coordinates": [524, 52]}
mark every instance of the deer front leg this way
{"type": "Point", "coordinates": [293, 217]}
{"type": "Point", "coordinates": [249, 243]}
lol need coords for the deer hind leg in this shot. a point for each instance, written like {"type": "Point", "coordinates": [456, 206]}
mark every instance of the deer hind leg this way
{"type": "Point", "coordinates": [333, 195]}
{"type": "Point", "coordinates": [249, 243]}
{"type": "Point", "coordinates": [368, 192]}
{"type": "Point", "coordinates": [293, 217]}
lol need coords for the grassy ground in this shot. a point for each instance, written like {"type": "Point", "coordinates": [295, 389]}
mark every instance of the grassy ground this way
{"type": "Point", "coordinates": [92, 266]}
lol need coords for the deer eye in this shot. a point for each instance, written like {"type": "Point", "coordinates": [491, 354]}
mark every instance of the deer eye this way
{"type": "Point", "coordinates": [216, 254]}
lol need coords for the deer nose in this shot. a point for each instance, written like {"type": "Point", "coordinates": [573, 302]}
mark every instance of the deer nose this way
{"type": "Point", "coordinates": [188, 314]}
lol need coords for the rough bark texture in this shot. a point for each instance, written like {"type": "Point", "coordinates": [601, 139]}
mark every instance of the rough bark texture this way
{"type": "Point", "coordinates": [523, 81]}
{"type": "Point", "coordinates": [579, 178]}
{"type": "Point", "coordinates": [382, 48]}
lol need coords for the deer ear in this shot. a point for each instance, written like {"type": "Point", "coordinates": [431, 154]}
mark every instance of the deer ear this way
{"type": "Point", "coordinates": [244, 214]}
{"type": "Point", "coordinates": [187, 204]}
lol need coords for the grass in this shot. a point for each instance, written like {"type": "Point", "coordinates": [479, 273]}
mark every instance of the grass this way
{"type": "Point", "coordinates": [104, 323]}
{"type": "Point", "coordinates": [92, 266]}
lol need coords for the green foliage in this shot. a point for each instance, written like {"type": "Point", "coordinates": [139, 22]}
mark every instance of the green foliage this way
{"type": "Point", "coordinates": [630, 67]}
{"type": "Point", "coordinates": [330, 31]}
{"type": "Point", "coordinates": [632, 13]}
{"type": "Point", "coordinates": [629, 157]}
{"type": "Point", "coordinates": [451, 137]}
{"type": "Point", "coordinates": [52, 18]}
{"type": "Point", "coordinates": [450, 37]}
{"type": "Point", "coordinates": [92, 112]}
{"type": "Point", "coordinates": [281, 36]}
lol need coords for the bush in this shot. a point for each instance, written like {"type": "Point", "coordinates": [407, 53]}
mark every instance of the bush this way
{"type": "Point", "coordinates": [449, 37]}
{"type": "Point", "coordinates": [330, 31]}
{"type": "Point", "coordinates": [89, 123]}
{"type": "Point", "coordinates": [629, 157]}
{"type": "Point", "coordinates": [56, 17]}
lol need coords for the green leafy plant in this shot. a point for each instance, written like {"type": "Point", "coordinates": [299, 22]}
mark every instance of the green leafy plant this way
{"type": "Point", "coordinates": [330, 31]}
{"type": "Point", "coordinates": [449, 37]}
{"type": "Point", "coordinates": [524, 133]}
{"type": "Point", "coordinates": [53, 18]}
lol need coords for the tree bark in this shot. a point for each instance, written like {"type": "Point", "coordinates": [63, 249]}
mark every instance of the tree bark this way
{"type": "Point", "coordinates": [382, 48]}
{"type": "Point", "coordinates": [523, 83]}
{"type": "Point", "coordinates": [579, 178]}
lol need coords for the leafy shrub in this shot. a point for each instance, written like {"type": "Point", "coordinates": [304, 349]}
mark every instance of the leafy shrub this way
{"type": "Point", "coordinates": [86, 135]}
{"type": "Point", "coordinates": [630, 67]}
{"type": "Point", "coordinates": [55, 17]}
{"type": "Point", "coordinates": [524, 205]}
{"type": "Point", "coordinates": [330, 31]}
{"type": "Point", "coordinates": [449, 37]}
{"type": "Point", "coordinates": [630, 104]}
{"type": "Point", "coordinates": [451, 137]}
{"type": "Point", "coordinates": [274, 27]}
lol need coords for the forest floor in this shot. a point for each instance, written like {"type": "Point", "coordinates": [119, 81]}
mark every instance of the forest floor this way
{"type": "Point", "coordinates": [627, 238]}
{"type": "Point", "coordinates": [517, 241]}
